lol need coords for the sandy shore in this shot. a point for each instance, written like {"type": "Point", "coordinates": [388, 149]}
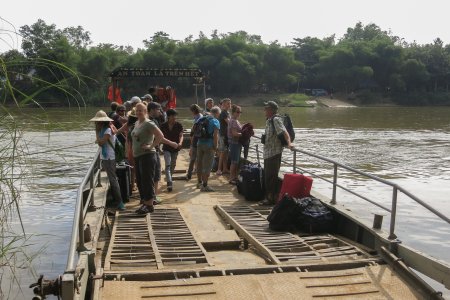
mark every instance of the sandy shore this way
{"type": "Point", "coordinates": [327, 102]}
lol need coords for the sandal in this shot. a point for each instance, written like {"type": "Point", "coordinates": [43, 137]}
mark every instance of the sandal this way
{"type": "Point", "coordinates": [233, 181]}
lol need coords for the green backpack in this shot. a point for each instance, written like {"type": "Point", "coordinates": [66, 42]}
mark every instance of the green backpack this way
{"type": "Point", "coordinates": [119, 150]}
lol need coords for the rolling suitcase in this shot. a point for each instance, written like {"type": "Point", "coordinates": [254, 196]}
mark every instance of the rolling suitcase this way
{"type": "Point", "coordinates": [251, 182]}
{"type": "Point", "coordinates": [296, 186]}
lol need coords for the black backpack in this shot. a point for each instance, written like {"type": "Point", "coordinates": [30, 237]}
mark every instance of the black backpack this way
{"type": "Point", "coordinates": [315, 217]}
{"type": "Point", "coordinates": [287, 122]}
{"type": "Point", "coordinates": [306, 214]}
{"type": "Point", "coordinates": [201, 128]}
{"type": "Point", "coordinates": [284, 215]}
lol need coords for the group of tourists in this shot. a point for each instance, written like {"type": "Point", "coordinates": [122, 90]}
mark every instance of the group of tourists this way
{"type": "Point", "coordinates": [216, 135]}
{"type": "Point", "coordinates": [142, 125]}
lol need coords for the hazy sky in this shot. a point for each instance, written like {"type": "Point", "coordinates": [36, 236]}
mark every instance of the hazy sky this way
{"type": "Point", "coordinates": [130, 22]}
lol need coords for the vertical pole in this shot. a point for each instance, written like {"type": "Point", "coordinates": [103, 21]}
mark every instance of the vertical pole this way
{"type": "Point", "coordinates": [294, 165]}
{"type": "Point", "coordinates": [392, 235]}
{"type": "Point", "coordinates": [81, 228]}
{"type": "Point", "coordinates": [333, 199]}
{"type": "Point", "coordinates": [99, 167]}
{"type": "Point", "coordinates": [204, 89]}
{"type": "Point", "coordinates": [257, 153]}
{"type": "Point", "coordinates": [196, 94]}
{"type": "Point", "coordinates": [91, 188]}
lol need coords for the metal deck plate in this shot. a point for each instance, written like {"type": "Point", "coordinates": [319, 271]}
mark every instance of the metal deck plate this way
{"type": "Point", "coordinates": [374, 282]}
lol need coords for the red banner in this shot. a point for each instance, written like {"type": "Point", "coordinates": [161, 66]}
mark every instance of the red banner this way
{"type": "Point", "coordinates": [117, 92]}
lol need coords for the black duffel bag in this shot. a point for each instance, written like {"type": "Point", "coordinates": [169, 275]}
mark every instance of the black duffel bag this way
{"type": "Point", "coordinates": [284, 214]}
{"type": "Point", "coordinates": [314, 216]}
{"type": "Point", "coordinates": [306, 214]}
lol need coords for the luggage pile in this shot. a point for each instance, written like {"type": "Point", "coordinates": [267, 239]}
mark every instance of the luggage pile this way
{"type": "Point", "coordinates": [306, 214]}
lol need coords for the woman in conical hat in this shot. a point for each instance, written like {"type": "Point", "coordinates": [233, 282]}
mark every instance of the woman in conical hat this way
{"type": "Point", "coordinates": [106, 140]}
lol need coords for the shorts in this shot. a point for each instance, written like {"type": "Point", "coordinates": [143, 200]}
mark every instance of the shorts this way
{"type": "Point", "coordinates": [223, 146]}
{"type": "Point", "coordinates": [235, 153]}
{"type": "Point", "coordinates": [205, 158]}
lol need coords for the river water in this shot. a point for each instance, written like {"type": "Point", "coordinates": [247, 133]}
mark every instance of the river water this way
{"type": "Point", "coordinates": [409, 146]}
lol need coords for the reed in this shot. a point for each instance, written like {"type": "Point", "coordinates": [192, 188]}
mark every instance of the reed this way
{"type": "Point", "coordinates": [15, 256]}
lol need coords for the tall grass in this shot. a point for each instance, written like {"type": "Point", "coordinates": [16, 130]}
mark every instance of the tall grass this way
{"type": "Point", "coordinates": [14, 241]}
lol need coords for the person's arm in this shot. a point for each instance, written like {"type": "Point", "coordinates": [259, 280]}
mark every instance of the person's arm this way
{"type": "Point", "coordinates": [288, 139]}
{"type": "Point", "coordinates": [216, 139]}
{"type": "Point", "coordinates": [180, 143]}
{"type": "Point", "coordinates": [113, 128]}
{"type": "Point", "coordinates": [235, 132]}
{"type": "Point", "coordinates": [123, 128]}
{"type": "Point", "coordinates": [168, 142]}
{"type": "Point", "coordinates": [123, 119]}
{"type": "Point", "coordinates": [103, 140]}
{"type": "Point", "coordinates": [280, 129]}
{"type": "Point", "coordinates": [160, 139]}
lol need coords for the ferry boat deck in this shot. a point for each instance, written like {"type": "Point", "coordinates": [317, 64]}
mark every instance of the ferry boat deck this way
{"type": "Point", "coordinates": [217, 245]}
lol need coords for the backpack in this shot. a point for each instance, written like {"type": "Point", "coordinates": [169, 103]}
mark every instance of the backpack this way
{"type": "Point", "coordinates": [119, 150]}
{"type": "Point", "coordinates": [315, 217]}
{"type": "Point", "coordinates": [287, 122]}
{"type": "Point", "coordinates": [201, 128]}
{"type": "Point", "coordinates": [283, 215]}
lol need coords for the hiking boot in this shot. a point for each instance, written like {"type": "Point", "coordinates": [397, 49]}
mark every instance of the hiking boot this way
{"type": "Point", "coordinates": [199, 185]}
{"type": "Point", "coordinates": [145, 209]}
{"type": "Point", "coordinates": [207, 189]}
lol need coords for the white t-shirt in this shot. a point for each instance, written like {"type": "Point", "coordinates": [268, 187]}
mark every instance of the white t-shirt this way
{"type": "Point", "coordinates": [109, 150]}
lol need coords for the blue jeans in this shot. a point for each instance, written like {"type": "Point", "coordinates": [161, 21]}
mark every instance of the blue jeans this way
{"type": "Point", "coordinates": [171, 161]}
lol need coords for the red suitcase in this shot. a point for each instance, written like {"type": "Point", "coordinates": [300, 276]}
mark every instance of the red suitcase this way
{"type": "Point", "coordinates": [296, 185]}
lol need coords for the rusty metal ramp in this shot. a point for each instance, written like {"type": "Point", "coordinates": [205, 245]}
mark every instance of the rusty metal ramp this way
{"type": "Point", "coordinates": [152, 242]}
{"type": "Point", "coordinates": [284, 247]}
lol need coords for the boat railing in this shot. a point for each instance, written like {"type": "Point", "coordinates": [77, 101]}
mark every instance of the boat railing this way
{"type": "Point", "coordinates": [85, 199]}
{"type": "Point", "coordinates": [396, 189]}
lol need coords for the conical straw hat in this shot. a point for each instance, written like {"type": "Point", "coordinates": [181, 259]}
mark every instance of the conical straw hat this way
{"type": "Point", "coordinates": [101, 116]}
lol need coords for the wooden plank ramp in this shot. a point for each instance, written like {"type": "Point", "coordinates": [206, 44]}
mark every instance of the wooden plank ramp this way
{"type": "Point", "coordinates": [152, 242]}
{"type": "Point", "coordinates": [285, 247]}
{"type": "Point", "coordinates": [175, 243]}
